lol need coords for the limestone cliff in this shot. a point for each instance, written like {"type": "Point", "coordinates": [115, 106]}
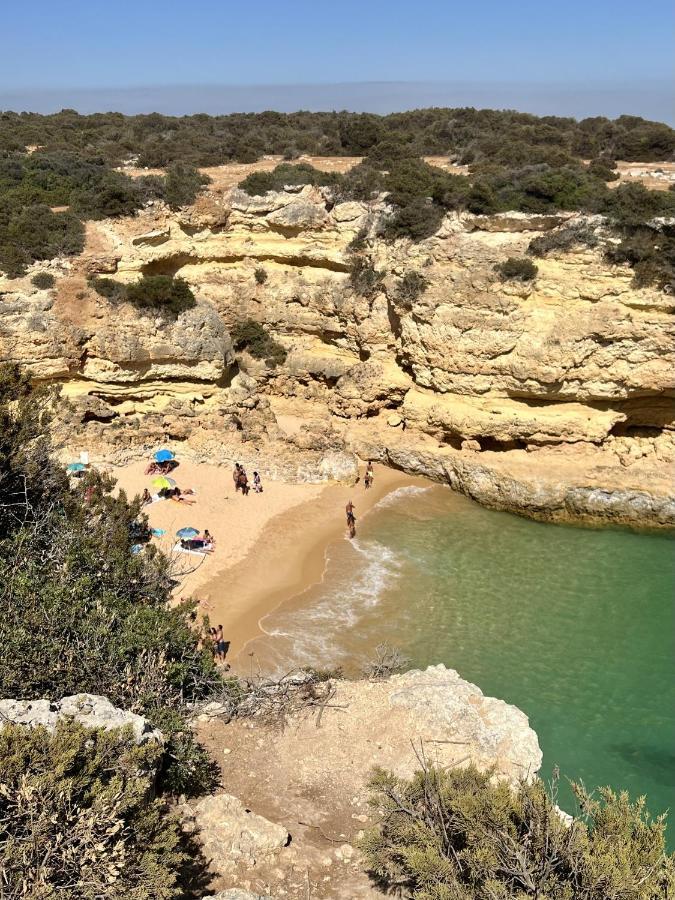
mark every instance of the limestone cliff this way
{"type": "Point", "coordinates": [555, 398]}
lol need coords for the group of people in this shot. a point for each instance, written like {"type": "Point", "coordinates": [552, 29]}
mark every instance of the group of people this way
{"type": "Point", "coordinates": [220, 645]}
{"type": "Point", "coordinates": [170, 493]}
{"type": "Point", "coordinates": [204, 543]}
{"type": "Point", "coordinates": [161, 468]}
{"type": "Point", "coordinates": [241, 482]}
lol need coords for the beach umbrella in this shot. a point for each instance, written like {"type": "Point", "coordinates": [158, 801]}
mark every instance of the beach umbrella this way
{"type": "Point", "coordinates": [187, 533]}
{"type": "Point", "coordinates": [136, 548]}
{"type": "Point", "coordinates": [164, 455]}
{"type": "Point", "coordinates": [162, 482]}
{"type": "Point", "coordinates": [76, 467]}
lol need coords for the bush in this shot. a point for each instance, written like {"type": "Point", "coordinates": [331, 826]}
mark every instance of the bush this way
{"type": "Point", "coordinates": [260, 275]}
{"type": "Point", "coordinates": [560, 240]}
{"type": "Point", "coordinates": [78, 818]}
{"type": "Point", "coordinates": [364, 278]}
{"type": "Point", "coordinates": [181, 185]}
{"type": "Point", "coordinates": [517, 269]}
{"type": "Point", "coordinates": [112, 290]}
{"type": "Point", "coordinates": [287, 173]}
{"type": "Point", "coordinates": [35, 233]}
{"type": "Point", "coordinates": [154, 292]}
{"type": "Point", "coordinates": [456, 835]}
{"type": "Point", "coordinates": [69, 575]}
{"type": "Point", "coordinates": [43, 280]}
{"type": "Point", "coordinates": [417, 220]}
{"type": "Point", "coordinates": [651, 254]}
{"type": "Point", "coordinates": [411, 286]}
{"type": "Point", "coordinates": [251, 336]}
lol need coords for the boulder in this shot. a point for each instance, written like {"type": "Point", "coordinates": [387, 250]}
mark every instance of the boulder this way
{"type": "Point", "coordinates": [89, 710]}
{"type": "Point", "coordinates": [300, 215]}
{"type": "Point", "coordinates": [232, 835]}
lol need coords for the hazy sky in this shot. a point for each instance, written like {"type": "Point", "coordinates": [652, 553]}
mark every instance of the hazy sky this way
{"type": "Point", "coordinates": [574, 57]}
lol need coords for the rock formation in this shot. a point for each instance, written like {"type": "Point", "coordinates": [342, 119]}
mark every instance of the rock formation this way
{"type": "Point", "coordinates": [89, 710]}
{"type": "Point", "coordinates": [554, 398]}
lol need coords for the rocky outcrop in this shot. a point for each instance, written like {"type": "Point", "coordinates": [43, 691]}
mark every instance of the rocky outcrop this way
{"type": "Point", "coordinates": [311, 776]}
{"type": "Point", "coordinates": [89, 710]}
{"type": "Point", "coordinates": [579, 359]}
{"type": "Point", "coordinates": [231, 835]}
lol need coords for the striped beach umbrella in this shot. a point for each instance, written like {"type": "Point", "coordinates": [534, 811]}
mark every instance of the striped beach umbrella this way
{"type": "Point", "coordinates": [187, 533]}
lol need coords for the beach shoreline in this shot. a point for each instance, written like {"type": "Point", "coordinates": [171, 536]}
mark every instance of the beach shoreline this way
{"type": "Point", "coordinates": [293, 547]}
{"type": "Point", "coordinates": [270, 547]}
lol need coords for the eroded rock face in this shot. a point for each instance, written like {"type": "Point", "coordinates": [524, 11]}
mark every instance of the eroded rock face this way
{"type": "Point", "coordinates": [577, 359]}
{"type": "Point", "coordinates": [89, 710]}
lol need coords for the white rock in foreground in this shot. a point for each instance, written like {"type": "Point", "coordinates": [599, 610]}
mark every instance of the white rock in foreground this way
{"type": "Point", "coordinates": [230, 834]}
{"type": "Point", "coordinates": [89, 710]}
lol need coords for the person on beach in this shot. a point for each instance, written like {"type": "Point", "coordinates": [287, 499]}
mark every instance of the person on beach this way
{"type": "Point", "coordinates": [235, 475]}
{"type": "Point", "coordinates": [242, 481]}
{"type": "Point", "coordinates": [221, 646]}
{"type": "Point", "coordinates": [351, 519]}
{"type": "Point", "coordinates": [257, 483]}
{"type": "Point", "coordinates": [370, 475]}
{"type": "Point", "coordinates": [208, 538]}
{"type": "Point", "coordinates": [179, 496]}
{"type": "Point", "coordinates": [146, 497]}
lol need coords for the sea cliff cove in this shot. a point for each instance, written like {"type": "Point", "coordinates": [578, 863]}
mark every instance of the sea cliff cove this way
{"type": "Point", "coordinates": [336, 505]}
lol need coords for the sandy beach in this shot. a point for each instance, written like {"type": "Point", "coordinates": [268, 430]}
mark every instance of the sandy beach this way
{"type": "Point", "coordinates": [269, 547]}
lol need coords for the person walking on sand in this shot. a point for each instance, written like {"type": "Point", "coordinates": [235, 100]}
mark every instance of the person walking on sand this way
{"type": "Point", "coordinates": [351, 519]}
{"type": "Point", "coordinates": [257, 483]}
{"type": "Point", "coordinates": [242, 481]}
{"type": "Point", "coordinates": [369, 477]}
{"type": "Point", "coordinates": [235, 475]}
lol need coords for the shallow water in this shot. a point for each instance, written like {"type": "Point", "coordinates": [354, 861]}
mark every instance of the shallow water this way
{"type": "Point", "coordinates": [574, 626]}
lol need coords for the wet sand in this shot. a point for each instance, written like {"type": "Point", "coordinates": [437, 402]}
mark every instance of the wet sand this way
{"type": "Point", "coordinates": [288, 557]}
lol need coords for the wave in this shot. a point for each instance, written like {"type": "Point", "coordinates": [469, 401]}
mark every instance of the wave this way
{"type": "Point", "coordinates": [410, 490]}
{"type": "Point", "coordinates": [356, 578]}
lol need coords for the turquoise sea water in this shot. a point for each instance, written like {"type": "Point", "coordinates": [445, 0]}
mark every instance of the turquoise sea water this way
{"type": "Point", "coordinates": [574, 626]}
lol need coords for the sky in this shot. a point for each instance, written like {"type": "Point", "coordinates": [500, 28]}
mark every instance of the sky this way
{"type": "Point", "coordinates": [564, 57]}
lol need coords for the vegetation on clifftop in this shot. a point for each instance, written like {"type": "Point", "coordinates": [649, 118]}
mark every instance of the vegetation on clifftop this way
{"type": "Point", "coordinates": [456, 835]}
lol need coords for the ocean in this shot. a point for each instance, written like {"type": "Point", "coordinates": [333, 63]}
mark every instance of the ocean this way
{"type": "Point", "coordinates": [574, 626]}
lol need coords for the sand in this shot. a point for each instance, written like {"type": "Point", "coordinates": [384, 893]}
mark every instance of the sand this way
{"type": "Point", "coordinates": [269, 547]}
{"type": "Point", "coordinates": [235, 521]}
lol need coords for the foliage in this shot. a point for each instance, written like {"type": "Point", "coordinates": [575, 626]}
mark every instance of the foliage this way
{"type": "Point", "coordinates": [411, 286]}
{"type": "Point", "coordinates": [260, 275]}
{"type": "Point", "coordinates": [155, 292]}
{"type": "Point", "coordinates": [161, 292]}
{"type": "Point", "coordinates": [517, 269]}
{"type": "Point", "coordinates": [67, 574]}
{"type": "Point", "coordinates": [560, 240]}
{"type": "Point", "coordinates": [364, 278]}
{"type": "Point", "coordinates": [651, 254]}
{"type": "Point", "coordinates": [417, 220]}
{"type": "Point", "coordinates": [251, 336]}
{"type": "Point", "coordinates": [286, 174]}
{"type": "Point", "coordinates": [466, 134]}
{"type": "Point", "coordinates": [29, 233]}
{"type": "Point", "coordinates": [43, 280]}
{"type": "Point", "coordinates": [78, 818]}
{"type": "Point", "coordinates": [181, 185]}
{"type": "Point", "coordinates": [456, 835]}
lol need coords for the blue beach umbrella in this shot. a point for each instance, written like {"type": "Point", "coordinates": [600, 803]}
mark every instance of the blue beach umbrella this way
{"type": "Point", "coordinates": [164, 455]}
{"type": "Point", "coordinates": [187, 533]}
{"type": "Point", "coordinates": [75, 467]}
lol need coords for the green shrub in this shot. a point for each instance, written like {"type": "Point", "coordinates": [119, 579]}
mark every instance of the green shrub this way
{"type": "Point", "coordinates": [517, 269]}
{"type": "Point", "coordinates": [260, 275]}
{"type": "Point", "coordinates": [43, 280]}
{"type": "Point", "coordinates": [35, 233]}
{"type": "Point", "coordinates": [417, 220]}
{"type": "Point", "coordinates": [560, 240]}
{"type": "Point", "coordinates": [364, 278]}
{"type": "Point", "coordinates": [651, 254]}
{"type": "Point", "coordinates": [181, 185]}
{"type": "Point", "coordinates": [79, 819]}
{"type": "Point", "coordinates": [410, 288]}
{"type": "Point", "coordinates": [160, 292]}
{"type": "Point", "coordinates": [287, 173]}
{"type": "Point", "coordinates": [251, 336]}
{"type": "Point", "coordinates": [456, 835]}
{"type": "Point", "coordinates": [112, 290]}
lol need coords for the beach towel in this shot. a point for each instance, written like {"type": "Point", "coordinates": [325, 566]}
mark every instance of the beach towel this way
{"type": "Point", "coordinates": [155, 498]}
{"type": "Point", "coordinates": [179, 549]}
{"type": "Point", "coordinates": [158, 532]}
